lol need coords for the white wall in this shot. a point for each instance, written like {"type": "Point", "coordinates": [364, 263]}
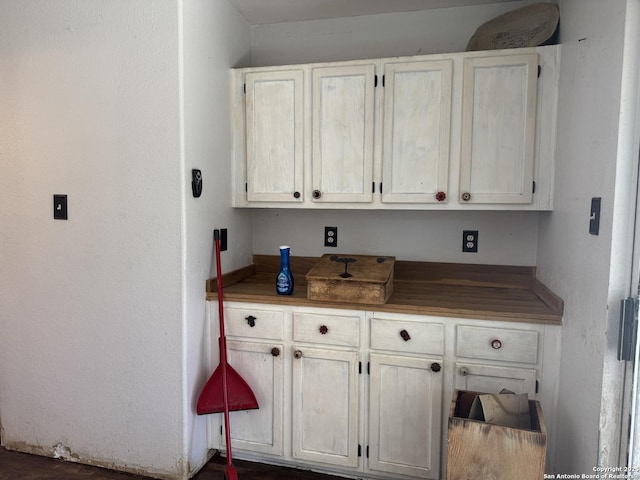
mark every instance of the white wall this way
{"type": "Point", "coordinates": [215, 39]}
{"type": "Point", "coordinates": [441, 30]}
{"type": "Point", "coordinates": [91, 307]}
{"type": "Point", "coordinates": [504, 237]}
{"type": "Point", "coordinates": [576, 265]}
{"type": "Point", "coordinates": [102, 352]}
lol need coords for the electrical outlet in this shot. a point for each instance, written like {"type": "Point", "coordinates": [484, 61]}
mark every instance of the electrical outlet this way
{"type": "Point", "coordinates": [330, 236]}
{"type": "Point", "coordinates": [470, 241]}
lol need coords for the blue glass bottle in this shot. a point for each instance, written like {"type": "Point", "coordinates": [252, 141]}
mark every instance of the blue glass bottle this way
{"type": "Point", "coordinates": [284, 280]}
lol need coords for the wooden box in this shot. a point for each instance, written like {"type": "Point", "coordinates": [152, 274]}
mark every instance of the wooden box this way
{"type": "Point", "coordinates": [476, 449]}
{"type": "Point", "coordinates": [368, 279]}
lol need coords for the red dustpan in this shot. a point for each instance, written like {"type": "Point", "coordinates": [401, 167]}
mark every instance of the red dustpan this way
{"type": "Point", "coordinates": [225, 390]}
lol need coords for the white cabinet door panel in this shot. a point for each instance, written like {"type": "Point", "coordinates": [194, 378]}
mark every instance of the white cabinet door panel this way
{"type": "Point", "coordinates": [498, 129]}
{"type": "Point", "coordinates": [343, 109]}
{"type": "Point", "coordinates": [493, 379]}
{"type": "Point", "coordinates": [325, 406]}
{"type": "Point", "coordinates": [274, 124]}
{"type": "Point", "coordinates": [417, 123]}
{"type": "Point", "coordinates": [258, 430]}
{"type": "Point", "coordinates": [405, 415]}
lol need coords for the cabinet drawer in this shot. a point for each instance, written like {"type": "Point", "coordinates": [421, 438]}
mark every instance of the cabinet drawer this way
{"type": "Point", "coordinates": [254, 323]}
{"type": "Point", "coordinates": [403, 336]}
{"type": "Point", "coordinates": [497, 344]}
{"type": "Point", "coordinates": [326, 329]}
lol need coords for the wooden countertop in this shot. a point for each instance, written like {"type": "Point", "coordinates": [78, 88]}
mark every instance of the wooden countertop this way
{"type": "Point", "coordinates": [491, 292]}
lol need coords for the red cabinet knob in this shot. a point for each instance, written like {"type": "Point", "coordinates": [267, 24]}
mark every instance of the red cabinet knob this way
{"type": "Point", "coordinates": [323, 329]}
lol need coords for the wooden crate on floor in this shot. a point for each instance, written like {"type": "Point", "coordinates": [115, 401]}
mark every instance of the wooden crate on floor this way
{"type": "Point", "coordinates": [476, 449]}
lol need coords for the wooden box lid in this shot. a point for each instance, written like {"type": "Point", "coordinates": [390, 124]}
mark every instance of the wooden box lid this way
{"type": "Point", "coordinates": [351, 278]}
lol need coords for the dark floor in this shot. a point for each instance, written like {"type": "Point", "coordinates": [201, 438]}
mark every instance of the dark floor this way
{"type": "Point", "coordinates": [21, 466]}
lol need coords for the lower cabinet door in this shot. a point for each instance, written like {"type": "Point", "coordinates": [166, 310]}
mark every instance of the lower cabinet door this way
{"type": "Point", "coordinates": [493, 379]}
{"type": "Point", "coordinates": [325, 406]}
{"type": "Point", "coordinates": [261, 366]}
{"type": "Point", "coordinates": [405, 413]}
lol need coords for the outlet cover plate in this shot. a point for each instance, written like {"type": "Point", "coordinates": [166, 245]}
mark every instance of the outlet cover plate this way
{"type": "Point", "coordinates": [470, 241]}
{"type": "Point", "coordinates": [330, 236]}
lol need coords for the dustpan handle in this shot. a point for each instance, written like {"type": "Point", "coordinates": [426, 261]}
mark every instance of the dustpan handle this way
{"type": "Point", "coordinates": [216, 240]}
{"type": "Point", "coordinates": [222, 341]}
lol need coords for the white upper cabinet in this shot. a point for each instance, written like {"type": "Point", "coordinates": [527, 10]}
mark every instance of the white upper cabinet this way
{"type": "Point", "coordinates": [416, 132]}
{"type": "Point", "coordinates": [498, 129]}
{"type": "Point", "coordinates": [459, 131]}
{"type": "Point", "coordinates": [274, 136]}
{"type": "Point", "coordinates": [343, 106]}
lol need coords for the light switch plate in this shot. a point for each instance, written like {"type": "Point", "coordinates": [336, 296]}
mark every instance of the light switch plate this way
{"type": "Point", "coordinates": [60, 207]}
{"type": "Point", "coordinates": [594, 216]}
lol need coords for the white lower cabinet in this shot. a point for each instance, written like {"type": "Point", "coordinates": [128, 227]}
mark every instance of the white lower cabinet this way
{"type": "Point", "coordinates": [406, 379]}
{"type": "Point", "coordinates": [405, 412]}
{"type": "Point", "coordinates": [325, 406]}
{"type": "Point", "coordinates": [366, 394]}
{"type": "Point", "coordinates": [326, 386]}
{"type": "Point", "coordinates": [261, 366]}
{"type": "Point", "coordinates": [493, 354]}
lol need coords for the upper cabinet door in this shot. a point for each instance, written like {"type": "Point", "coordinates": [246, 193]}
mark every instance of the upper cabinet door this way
{"type": "Point", "coordinates": [498, 129]}
{"type": "Point", "coordinates": [275, 142]}
{"type": "Point", "coordinates": [417, 124]}
{"type": "Point", "coordinates": [343, 113]}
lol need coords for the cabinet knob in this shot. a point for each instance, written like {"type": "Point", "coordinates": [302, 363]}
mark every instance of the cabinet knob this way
{"type": "Point", "coordinates": [316, 194]}
{"type": "Point", "coordinates": [464, 371]}
{"type": "Point", "coordinates": [405, 335]}
{"type": "Point", "coordinates": [296, 194]}
{"type": "Point", "coordinates": [441, 196]}
{"type": "Point", "coordinates": [466, 196]}
{"type": "Point", "coordinates": [496, 344]}
{"type": "Point", "coordinates": [275, 351]}
{"type": "Point", "coordinates": [297, 354]}
{"type": "Point", "coordinates": [251, 320]}
{"type": "Point", "coordinates": [435, 367]}
{"type": "Point", "coordinates": [323, 329]}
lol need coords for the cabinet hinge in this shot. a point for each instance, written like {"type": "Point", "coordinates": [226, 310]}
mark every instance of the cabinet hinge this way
{"type": "Point", "coordinates": [359, 368]}
{"type": "Point", "coordinates": [244, 88]}
{"type": "Point", "coordinates": [220, 429]}
{"type": "Point", "coordinates": [368, 368]}
{"type": "Point", "coordinates": [359, 450]}
{"type": "Point", "coordinates": [246, 187]}
{"type": "Point", "coordinates": [383, 81]}
{"type": "Point", "coordinates": [375, 81]}
{"type": "Point", "coordinates": [367, 451]}
{"type": "Point", "coordinates": [373, 187]}
{"type": "Point", "coordinates": [539, 70]}
{"type": "Point", "coordinates": [537, 386]}
{"type": "Point", "coordinates": [380, 187]}
{"type": "Point", "coordinates": [533, 188]}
